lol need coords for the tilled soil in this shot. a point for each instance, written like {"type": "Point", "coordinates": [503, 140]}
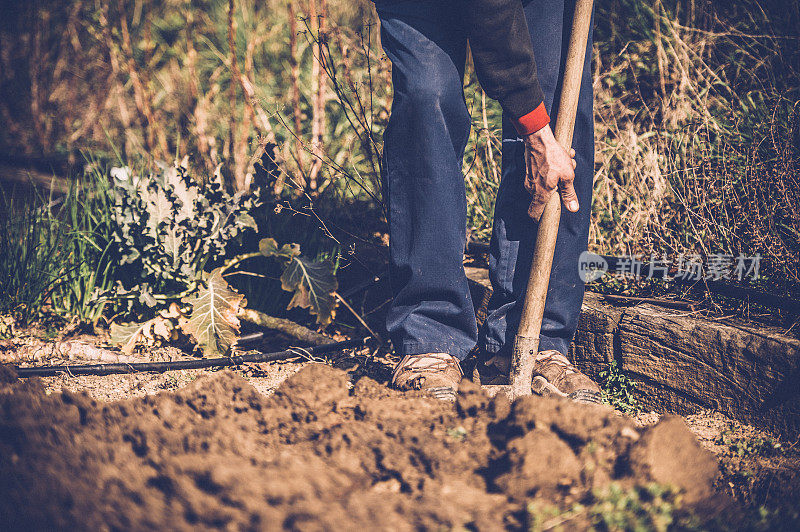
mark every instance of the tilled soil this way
{"type": "Point", "coordinates": [322, 454]}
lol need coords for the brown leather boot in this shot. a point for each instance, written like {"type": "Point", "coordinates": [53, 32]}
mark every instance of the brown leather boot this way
{"type": "Point", "coordinates": [555, 375]}
{"type": "Point", "coordinates": [435, 373]}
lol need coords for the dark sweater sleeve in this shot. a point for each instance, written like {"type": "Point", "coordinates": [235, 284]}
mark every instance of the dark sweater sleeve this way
{"type": "Point", "coordinates": [504, 61]}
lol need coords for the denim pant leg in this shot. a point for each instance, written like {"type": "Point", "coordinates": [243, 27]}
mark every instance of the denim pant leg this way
{"type": "Point", "coordinates": [514, 234]}
{"type": "Point", "coordinates": [423, 150]}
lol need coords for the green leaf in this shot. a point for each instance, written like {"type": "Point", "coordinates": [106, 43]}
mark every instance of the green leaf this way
{"type": "Point", "coordinates": [313, 284]}
{"type": "Point", "coordinates": [127, 335]}
{"type": "Point", "coordinates": [247, 221]}
{"type": "Point", "coordinates": [213, 322]}
{"type": "Point", "coordinates": [269, 248]}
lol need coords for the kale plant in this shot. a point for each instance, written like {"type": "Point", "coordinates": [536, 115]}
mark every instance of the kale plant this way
{"type": "Point", "coordinates": [171, 228]}
{"type": "Point", "coordinates": [174, 235]}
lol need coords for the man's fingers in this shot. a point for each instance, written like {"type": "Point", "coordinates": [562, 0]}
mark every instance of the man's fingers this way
{"type": "Point", "coordinates": [543, 177]}
{"type": "Point", "coordinates": [569, 197]}
{"type": "Point", "coordinates": [529, 177]}
{"type": "Point", "coordinates": [530, 185]}
{"type": "Point", "coordinates": [540, 199]}
{"type": "Point", "coordinates": [536, 210]}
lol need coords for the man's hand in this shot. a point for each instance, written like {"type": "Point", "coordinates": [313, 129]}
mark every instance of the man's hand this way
{"type": "Point", "coordinates": [548, 166]}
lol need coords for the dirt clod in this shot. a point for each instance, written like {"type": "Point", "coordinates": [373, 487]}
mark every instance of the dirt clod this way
{"type": "Point", "coordinates": [7, 373]}
{"type": "Point", "coordinates": [316, 455]}
{"type": "Point", "coordinates": [668, 453]}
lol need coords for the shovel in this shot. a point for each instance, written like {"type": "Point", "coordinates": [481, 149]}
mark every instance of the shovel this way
{"type": "Point", "coordinates": [526, 343]}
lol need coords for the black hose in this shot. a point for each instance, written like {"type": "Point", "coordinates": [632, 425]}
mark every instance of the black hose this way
{"type": "Point", "coordinates": [136, 367]}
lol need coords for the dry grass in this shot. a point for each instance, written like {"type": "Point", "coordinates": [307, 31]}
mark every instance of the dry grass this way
{"type": "Point", "coordinates": [696, 149]}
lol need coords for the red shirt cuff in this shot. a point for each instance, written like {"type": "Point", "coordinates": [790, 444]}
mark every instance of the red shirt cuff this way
{"type": "Point", "coordinates": [532, 122]}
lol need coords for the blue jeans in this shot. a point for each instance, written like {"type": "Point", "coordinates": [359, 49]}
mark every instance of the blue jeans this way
{"type": "Point", "coordinates": [423, 150]}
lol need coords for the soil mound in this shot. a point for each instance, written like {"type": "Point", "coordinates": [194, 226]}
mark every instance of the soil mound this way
{"type": "Point", "coordinates": [320, 454]}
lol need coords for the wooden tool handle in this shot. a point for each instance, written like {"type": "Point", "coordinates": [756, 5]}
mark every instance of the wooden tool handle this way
{"type": "Point", "coordinates": [526, 343]}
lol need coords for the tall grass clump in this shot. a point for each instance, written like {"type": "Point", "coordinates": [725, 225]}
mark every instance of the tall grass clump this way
{"type": "Point", "coordinates": [57, 253]}
{"type": "Point", "coordinates": [31, 255]}
{"type": "Point", "coordinates": [89, 253]}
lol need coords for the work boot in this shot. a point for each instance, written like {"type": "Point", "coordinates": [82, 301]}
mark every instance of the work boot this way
{"type": "Point", "coordinates": [435, 373]}
{"type": "Point", "coordinates": [555, 375]}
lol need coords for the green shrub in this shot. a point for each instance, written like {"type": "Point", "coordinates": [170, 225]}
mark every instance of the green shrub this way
{"type": "Point", "coordinates": [744, 446]}
{"type": "Point", "coordinates": [618, 389]}
{"type": "Point", "coordinates": [639, 508]}
{"type": "Point", "coordinates": [169, 228]}
{"type": "Point", "coordinates": [178, 241]}
{"type": "Point", "coordinates": [651, 507]}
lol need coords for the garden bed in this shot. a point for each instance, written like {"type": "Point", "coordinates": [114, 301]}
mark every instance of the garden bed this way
{"type": "Point", "coordinates": [322, 454]}
{"type": "Point", "coordinates": [309, 445]}
{"type": "Point", "coordinates": [305, 445]}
